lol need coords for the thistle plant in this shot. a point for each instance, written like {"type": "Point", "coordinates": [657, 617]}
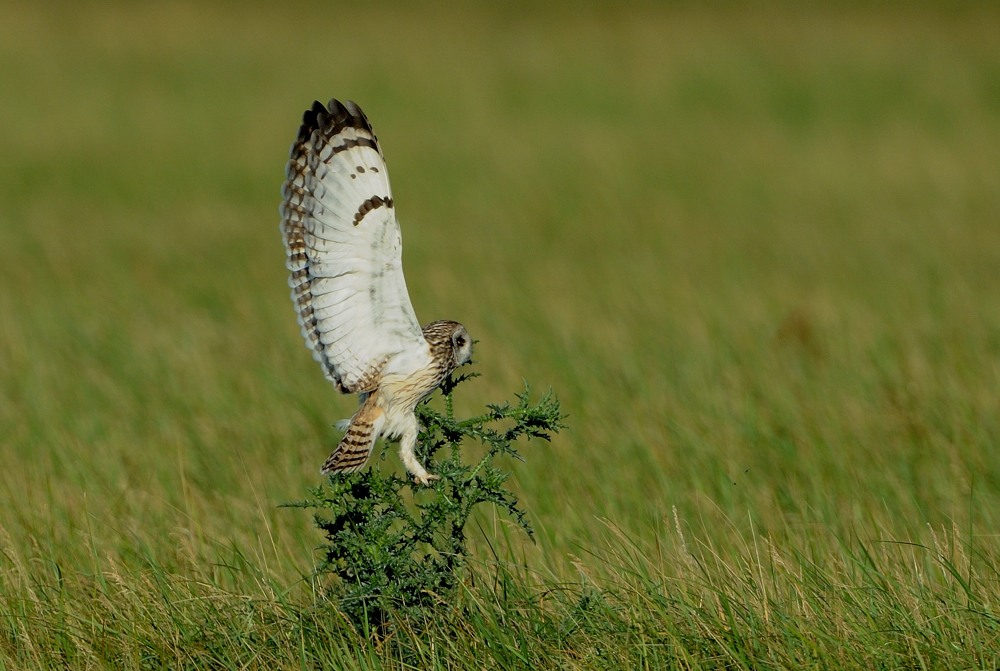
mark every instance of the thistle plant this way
{"type": "Point", "coordinates": [392, 553]}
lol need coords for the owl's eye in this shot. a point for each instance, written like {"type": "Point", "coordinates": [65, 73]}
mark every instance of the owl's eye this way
{"type": "Point", "coordinates": [460, 341]}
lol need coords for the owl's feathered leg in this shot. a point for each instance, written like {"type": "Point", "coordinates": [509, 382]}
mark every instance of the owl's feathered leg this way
{"type": "Point", "coordinates": [409, 458]}
{"type": "Point", "coordinates": [357, 444]}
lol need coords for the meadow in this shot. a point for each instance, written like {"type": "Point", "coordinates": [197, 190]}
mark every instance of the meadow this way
{"type": "Point", "coordinates": [754, 250]}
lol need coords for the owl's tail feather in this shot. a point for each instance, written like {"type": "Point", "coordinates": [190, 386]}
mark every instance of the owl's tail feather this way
{"type": "Point", "coordinates": [357, 444]}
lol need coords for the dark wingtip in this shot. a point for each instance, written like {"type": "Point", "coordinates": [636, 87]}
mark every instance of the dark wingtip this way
{"type": "Point", "coordinates": [337, 108]}
{"type": "Point", "coordinates": [332, 118]}
{"type": "Point", "coordinates": [310, 120]}
{"type": "Point", "coordinates": [309, 116]}
{"type": "Point", "coordinates": [355, 111]}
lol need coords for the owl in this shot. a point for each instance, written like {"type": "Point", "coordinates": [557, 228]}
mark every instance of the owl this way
{"type": "Point", "coordinates": [344, 251]}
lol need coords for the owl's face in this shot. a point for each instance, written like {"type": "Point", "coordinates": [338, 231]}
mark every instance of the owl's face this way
{"type": "Point", "coordinates": [450, 343]}
{"type": "Point", "coordinates": [461, 345]}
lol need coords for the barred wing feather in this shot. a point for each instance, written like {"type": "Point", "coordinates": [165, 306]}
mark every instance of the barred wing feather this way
{"type": "Point", "coordinates": [344, 248]}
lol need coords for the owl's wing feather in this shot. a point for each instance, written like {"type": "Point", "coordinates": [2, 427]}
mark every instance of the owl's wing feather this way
{"type": "Point", "coordinates": [344, 248]}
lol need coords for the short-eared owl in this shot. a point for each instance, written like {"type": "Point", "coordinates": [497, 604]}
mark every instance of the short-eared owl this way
{"type": "Point", "coordinates": [345, 258]}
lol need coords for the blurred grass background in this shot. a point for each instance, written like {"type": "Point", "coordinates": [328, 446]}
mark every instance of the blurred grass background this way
{"type": "Point", "coordinates": [755, 249]}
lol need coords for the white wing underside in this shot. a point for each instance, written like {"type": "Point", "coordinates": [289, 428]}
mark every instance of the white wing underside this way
{"type": "Point", "coordinates": [345, 250]}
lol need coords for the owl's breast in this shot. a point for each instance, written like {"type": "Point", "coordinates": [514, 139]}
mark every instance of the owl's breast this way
{"type": "Point", "coordinates": [398, 395]}
{"type": "Point", "coordinates": [404, 392]}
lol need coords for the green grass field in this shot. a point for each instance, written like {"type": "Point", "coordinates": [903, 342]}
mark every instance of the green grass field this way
{"type": "Point", "coordinates": [756, 254]}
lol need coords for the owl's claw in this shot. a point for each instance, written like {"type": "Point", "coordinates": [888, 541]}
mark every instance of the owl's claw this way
{"type": "Point", "coordinates": [425, 479]}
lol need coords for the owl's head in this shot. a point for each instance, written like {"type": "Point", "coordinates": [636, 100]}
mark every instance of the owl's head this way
{"type": "Point", "coordinates": [449, 341]}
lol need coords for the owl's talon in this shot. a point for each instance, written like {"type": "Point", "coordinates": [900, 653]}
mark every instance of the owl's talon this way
{"type": "Point", "coordinates": [425, 479]}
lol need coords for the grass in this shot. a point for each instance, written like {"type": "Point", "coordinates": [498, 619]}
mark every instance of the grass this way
{"type": "Point", "coordinates": [755, 253]}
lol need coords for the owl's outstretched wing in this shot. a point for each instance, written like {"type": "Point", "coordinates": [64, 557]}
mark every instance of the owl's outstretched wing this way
{"type": "Point", "coordinates": [344, 248]}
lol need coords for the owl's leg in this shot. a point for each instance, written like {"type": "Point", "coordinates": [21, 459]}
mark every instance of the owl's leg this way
{"type": "Point", "coordinates": [409, 458]}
